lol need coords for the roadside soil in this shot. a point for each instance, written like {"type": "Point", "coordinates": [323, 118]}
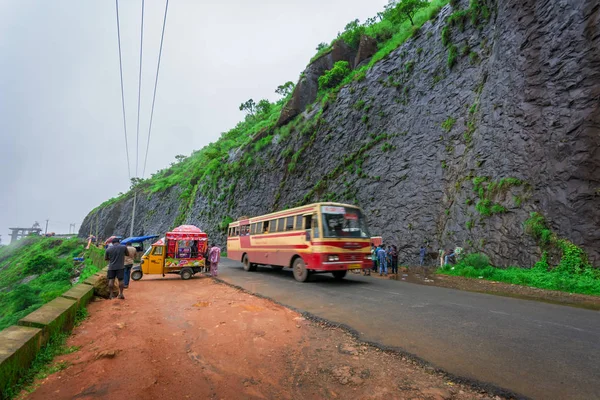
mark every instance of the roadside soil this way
{"type": "Point", "coordinates": [427, 276]}
{"type": "Point", "coordinates": [198, 339]}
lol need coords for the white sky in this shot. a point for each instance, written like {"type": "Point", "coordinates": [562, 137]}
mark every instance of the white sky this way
{"type": "Point", "coordinates": [61, 131]}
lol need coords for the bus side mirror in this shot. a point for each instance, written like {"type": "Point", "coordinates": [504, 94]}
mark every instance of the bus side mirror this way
{"type": "Point", "coordinates": [307, 235]}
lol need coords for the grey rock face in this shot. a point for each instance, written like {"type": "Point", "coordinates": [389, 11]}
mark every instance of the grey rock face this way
{"type": "Point", "coordinates": [521, 102]}
{"type": "Point", "coordinates": [305, 91]}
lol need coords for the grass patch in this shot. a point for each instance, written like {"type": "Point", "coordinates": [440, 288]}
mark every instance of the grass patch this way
{"type": "Point", "coordinates": [43, 365]}
{"type": "Point", "coordinates": [583, 281]}
{"type": "Point", "coordinates": [35, 271]}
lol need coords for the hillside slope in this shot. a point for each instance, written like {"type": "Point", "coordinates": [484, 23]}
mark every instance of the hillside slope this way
{"type": "Point", "coordinates": [34, 271]}
{"type": "Point", "coordinates": [454, 138]}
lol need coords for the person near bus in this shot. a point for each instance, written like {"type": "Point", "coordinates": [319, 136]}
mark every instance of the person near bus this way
{"type": "Point", "coordinates": [394, 257]}
{"type": "Point", "coordinates": [381, 256]}
{"type": "Point", "coordinates": [367, 271]}
{"type": "Point", "coordinates": [129, 260]}
{"type": "Point", "coordinates": [215, 258]}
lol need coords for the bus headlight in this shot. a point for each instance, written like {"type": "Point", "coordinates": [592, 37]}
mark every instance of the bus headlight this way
{"type": "Point", "coordinates": [367, 257]}
{"type": "Point", "coordinates": [333, 257]}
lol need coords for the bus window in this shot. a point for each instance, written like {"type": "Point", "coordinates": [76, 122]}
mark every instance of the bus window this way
{"type": "Point", "coordinates": [236, 231]}
{"type": "Point", "coordinates": [281, 225]}
{"type": "Point", "coordinates": [315, 224]}
{"type": "Point", "coordinates": [253, 229]}
{"type": "Point", "coordinates": [298, 222]}
{"type": "Point", "coordinates": [266, 227]}
{"type": "Point", "coordinates": [229, 232]}
{"type": "Point", "coordinates": [289, 224]}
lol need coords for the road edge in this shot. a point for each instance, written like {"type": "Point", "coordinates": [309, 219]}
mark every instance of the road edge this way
{"type": "Point", "coordinates": [474, 383]}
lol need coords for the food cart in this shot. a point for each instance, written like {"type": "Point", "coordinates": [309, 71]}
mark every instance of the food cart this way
{"type": "Point", "coordinates": [181, 252]}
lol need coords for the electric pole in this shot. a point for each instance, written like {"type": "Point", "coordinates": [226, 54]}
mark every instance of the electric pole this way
{"type": "Point", "coordinates": [46, 231]}
{"type": "Point", "coordinates": [133, 213]}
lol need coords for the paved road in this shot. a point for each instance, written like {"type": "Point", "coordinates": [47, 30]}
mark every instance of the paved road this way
{"type": "Point", "coordinates": [540, 350]}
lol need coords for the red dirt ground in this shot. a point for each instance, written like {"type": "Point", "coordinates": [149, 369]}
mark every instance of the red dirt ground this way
{"type": "Point", "coordinates": [197, 339]}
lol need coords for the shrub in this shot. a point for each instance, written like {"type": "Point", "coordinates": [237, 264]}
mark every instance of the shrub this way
{"type": "Point", "coordinates": [476, 260]}
{"type": "Point", "coordinates": [333, 77]}
{"type": "Point", "coordinates": [448, 124]}
{"type": "Point", "coordinates": [452, 56]}
{"type": "Point", "coordinates": [537, 227]}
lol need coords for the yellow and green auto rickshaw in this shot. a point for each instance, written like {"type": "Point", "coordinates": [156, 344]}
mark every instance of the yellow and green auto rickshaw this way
{"type": "Point", "coordinates": [181, 252]}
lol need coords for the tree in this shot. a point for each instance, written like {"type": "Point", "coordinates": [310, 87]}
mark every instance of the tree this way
{"type": "Point", "coordinates": [263, 107]}
{"type": "Point", "coordinates": [249, 106]}
{"type": "Point", "coordinates": [285, 89]}
{"type": "Point", "coordinates": [180, 157]}
{"type": "Point", "coordinates": [135, 182]}
{"type": "Point", "coordinates": [408, 8]}
{"type": "Point", "coordinates": [322, 46]}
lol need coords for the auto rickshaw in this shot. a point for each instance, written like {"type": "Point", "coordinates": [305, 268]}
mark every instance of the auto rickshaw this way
{"type": "Point", "coordinates": [181, 252]}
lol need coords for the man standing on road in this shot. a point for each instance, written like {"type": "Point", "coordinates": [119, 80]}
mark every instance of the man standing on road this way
{"type": "Point", "coordinates": [422, 256]}
{"type": "Point", "coordinates": [382, 261]}
{"type": "Point", "coordinates": [116, 267]}
{"type": "Point", "coordinates": [129, 259]}
{"type": "Point", "coordinates": [215, 258]}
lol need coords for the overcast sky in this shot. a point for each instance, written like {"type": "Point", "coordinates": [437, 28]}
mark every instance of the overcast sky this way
{"type": "Point", "coordinates": [61, 131]}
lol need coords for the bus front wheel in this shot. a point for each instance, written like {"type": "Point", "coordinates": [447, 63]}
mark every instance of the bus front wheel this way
{"type": "Point", "coordinates": [300, 270]}
{"type": "Point", "coordinates": [248, 266]}
{"type": "Point", "coordinates": [339, 275]}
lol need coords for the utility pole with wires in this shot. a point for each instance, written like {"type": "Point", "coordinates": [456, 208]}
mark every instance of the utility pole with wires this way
{"type": "Point", "coordinates": [46, 231]}
{"type": "Point", "coordinates": [136, 179]}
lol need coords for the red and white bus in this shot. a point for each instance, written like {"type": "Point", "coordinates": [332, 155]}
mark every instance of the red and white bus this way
{"type": "Point", "coordinates": [316, 238]}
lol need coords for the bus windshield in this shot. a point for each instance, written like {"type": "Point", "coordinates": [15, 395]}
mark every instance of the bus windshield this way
{"type": "Point", "coordinates": [344, 222]}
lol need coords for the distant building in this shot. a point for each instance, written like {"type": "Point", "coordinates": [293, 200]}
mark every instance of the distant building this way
{"type": "Point", "coordinates": [19, 233]}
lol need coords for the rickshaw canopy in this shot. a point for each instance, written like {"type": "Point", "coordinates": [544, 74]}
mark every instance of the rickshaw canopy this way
{"type": "Point", "coordinates": [138, 239]}
{"type": "Point", "coordinates": [187, 232]}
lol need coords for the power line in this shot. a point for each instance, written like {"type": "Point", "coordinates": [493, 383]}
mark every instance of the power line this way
{"type": "Point", "coordinates": [122, 90]}
{"type": "Point", "coordinates": [137, 143]}
{"type": "Point", "coordinates": [155, 85]}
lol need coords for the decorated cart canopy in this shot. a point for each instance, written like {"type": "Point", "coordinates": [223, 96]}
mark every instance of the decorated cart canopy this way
{"type": "Point", "coordinates": [187, 232]}
{"type": "Point", "coordinates": [159, 242]}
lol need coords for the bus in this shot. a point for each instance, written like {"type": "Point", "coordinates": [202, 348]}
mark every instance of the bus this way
{"type": "Point", "coordinates": [315, 238]}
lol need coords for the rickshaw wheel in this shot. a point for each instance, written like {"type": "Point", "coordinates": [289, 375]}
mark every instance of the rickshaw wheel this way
{"type": "Point", "coordinates": [137, 275]}
{"type": "Point", "coordinates": [186, 274]}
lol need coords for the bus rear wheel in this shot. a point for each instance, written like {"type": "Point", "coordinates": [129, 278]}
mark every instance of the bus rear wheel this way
{"type": "Point", "coordinates": [300, 271]}
{"type": "Point", "coordinates": [339, 275]}
{"type": "Point", "coordinates": [248, 266]}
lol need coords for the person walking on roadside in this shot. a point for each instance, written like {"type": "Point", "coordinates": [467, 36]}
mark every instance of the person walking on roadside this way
{"type": "Point", "coordinates": [422, 252]}
{"type": "Point", "coordinates": [394, 256]}
{"type": "Point", "coordinates": [449, 254]}
{"type": "Point", "coordinates": [215, 258]}
{"type": "Point", "coordinates": [381, 256]}
{"type": "Point", "coordinates": [115, 254]}
{"type": "Point", "coordinates": [129, 260]}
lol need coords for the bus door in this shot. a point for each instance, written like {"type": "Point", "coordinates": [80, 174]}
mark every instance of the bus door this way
{"type": "Point", "coordinates": [311, 227]}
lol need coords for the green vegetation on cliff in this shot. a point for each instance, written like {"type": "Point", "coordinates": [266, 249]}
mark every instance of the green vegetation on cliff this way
{"type": "Point", "coordinates": [34, 271]}
{"type": "Point", "coordinates": [570, 273]}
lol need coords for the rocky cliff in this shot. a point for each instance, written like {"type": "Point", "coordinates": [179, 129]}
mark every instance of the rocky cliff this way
{"type": "Point", "coordinates": [453, 139]}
